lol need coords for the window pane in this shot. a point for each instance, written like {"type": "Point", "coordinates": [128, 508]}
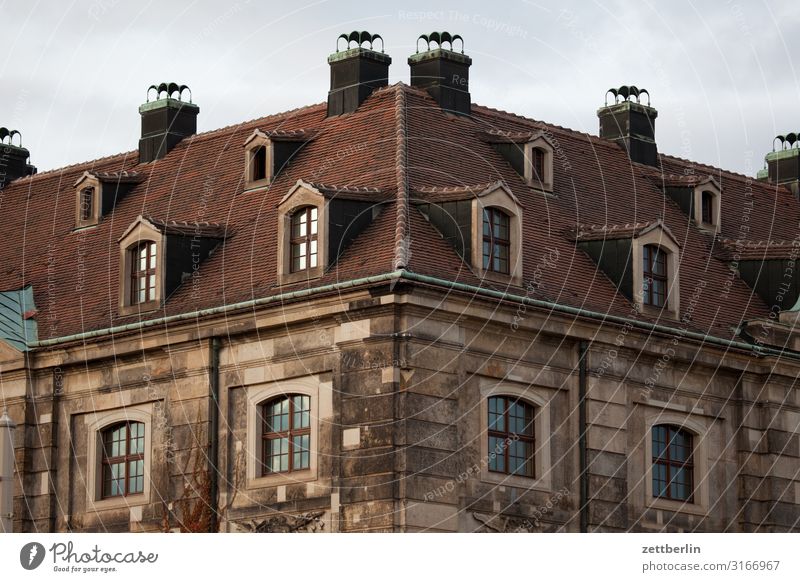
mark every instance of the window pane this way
{"type": "Point", "coordinates": [152, 255]}
{"type": "Point", "coordinates": [496, 456]}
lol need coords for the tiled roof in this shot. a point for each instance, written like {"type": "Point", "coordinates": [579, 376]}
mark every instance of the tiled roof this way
{"type": "Point", "coordinates": [398, 147]}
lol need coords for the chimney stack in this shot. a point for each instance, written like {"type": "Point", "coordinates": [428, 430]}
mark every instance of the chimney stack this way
{"type": "Point", "coordinates": [13, 157]}
{"type": "Point", "coordinates": [356, 72]}
{"type": "Point", "coordinates": [783, 165]}
{"type": "Point", "coordinates": [443, 72]}
{"type": "Point", "coordinates": [631, 124]}
{"type": "Point", "coordinates": [165, 121]}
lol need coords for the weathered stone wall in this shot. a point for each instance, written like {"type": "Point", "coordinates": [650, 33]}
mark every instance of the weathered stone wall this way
{"type": "Point", "coordinates": [399, 382]}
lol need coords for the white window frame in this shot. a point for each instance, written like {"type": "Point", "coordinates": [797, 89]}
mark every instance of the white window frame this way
{"type": "Point", "coordinates": [301, 195]}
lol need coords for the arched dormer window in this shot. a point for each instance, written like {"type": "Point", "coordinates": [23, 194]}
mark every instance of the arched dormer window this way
{"type": "Point", "coordinates": [496, 240]}
{"type": "Point", "coordinates": [304, 239]}
{"type": "Point", "coordinates": [673, 463]}
{"type": "Point", "coordinates": [654, 276]}
{"type": "Point", "coordinates": [656, 285]}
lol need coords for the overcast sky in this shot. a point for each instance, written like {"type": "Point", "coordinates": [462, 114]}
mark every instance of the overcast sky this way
{"type": "Point", "coordinates": [722, 77]}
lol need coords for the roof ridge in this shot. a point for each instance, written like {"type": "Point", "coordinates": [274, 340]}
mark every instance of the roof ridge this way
{"type": "Point", "coordinates": [401, 172]}
{"type": "Point", "coordinates": [198, 136]}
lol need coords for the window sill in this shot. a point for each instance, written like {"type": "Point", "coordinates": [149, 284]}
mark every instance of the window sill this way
{"type": "Point", "coordinates": [256, 185]}
{"type": "Point", "coordinates": [279, 479]}
{"type": "Point", "coordinates": [676, 506]}
{"type": "Point", "coordinates": [657, 312]}
{"type": "Point", "coordinates": [543, 187]}
{"type": "Point", "coordinates": [85, 226]}
{"type": "Point", "coordinates": [527, 483]}
{"type": "Point", "coordinates": [139, 308]}
{"type": "Point", "coordinates": [120, 502]}
{"type": "Point", "coordinates": [300, 276]}
{"type": "Point", "coordinates": [501, 278]}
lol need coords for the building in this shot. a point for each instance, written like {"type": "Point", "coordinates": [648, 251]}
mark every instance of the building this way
{"type": "Point", "coordinates": [400, 311]}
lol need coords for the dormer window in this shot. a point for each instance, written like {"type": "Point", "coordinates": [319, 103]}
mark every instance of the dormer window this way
{"type": "Point", "coordinates": [96, 194]}
{"type": "Point", "coordinates": [654, 276]}
{"type": "Point", "coordinates": [143, 272]}
{"type": "Point", "coordinates": [88, 192]}
{"type": "Point", "coordinates": [258, 160]}
{"type": "Point", "coordinates": [304, 249]}
{"type": "Point", "coordinates": [539, 163]}
{"type": "Point", "coordinates": [699, 197]}
{"type": "Point", "coordinates": [158, 256]}
{"type": "Point", "coordinates": [641, 259]}
{"type": "Point", "coordinates": [316, 224]}
{"type": "Point", "coordinates": [496, 241]}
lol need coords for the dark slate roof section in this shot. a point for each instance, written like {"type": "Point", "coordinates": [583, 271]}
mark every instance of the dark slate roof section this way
{"type": "Point", "coordinates": [17, 318]}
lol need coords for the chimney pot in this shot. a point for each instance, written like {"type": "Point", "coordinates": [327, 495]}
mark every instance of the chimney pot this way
{"type": "Point", "coordinates": [166, 120]}
{"type": "Point", "coordinates": [783, 164]}
{"type": "Point", "coordinates": [443, 72]}
{"type": "Point", "coordinates": [13, 157]}
{"type": "Point", "coordinates": [631, 123]}
{"type": "Point", "coordinates": [356, 72]}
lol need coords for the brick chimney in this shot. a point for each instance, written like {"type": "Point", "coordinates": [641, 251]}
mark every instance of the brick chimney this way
{"type": "Point", "coordinates": [631, 124]}
{"type": "Point", "coordinates": [442, 72]}
{"type": "Point", "coordinates": [166, 120]}
{"type": "Point", "coordinates": [13, 157]}
{"type": "Point", "coordinates": [356, 72]}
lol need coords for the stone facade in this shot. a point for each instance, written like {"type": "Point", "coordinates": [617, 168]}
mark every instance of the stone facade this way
{"type": "Point", "coordinates": [398, 379]}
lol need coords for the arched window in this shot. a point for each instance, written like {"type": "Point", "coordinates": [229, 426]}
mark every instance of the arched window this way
{"type": "Point", "coordinates": [286, 434]}
{"type": "Point", "coordinates": [304, 239]}
{"type": "Point", "coordinates": [123, 459]}
{"type": "Point", "coordinates": [143, 272]}
{"type": "Point", "coordinates": [707, 207]}
{"type": "Point", "coordinates": [496, 241]}
{"type": "Point", "coordinates": [654, 276]}
{"type": "Point", "coordinates": [673, 466]}
{"type": "Point", "coordinates": [511, 436]}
